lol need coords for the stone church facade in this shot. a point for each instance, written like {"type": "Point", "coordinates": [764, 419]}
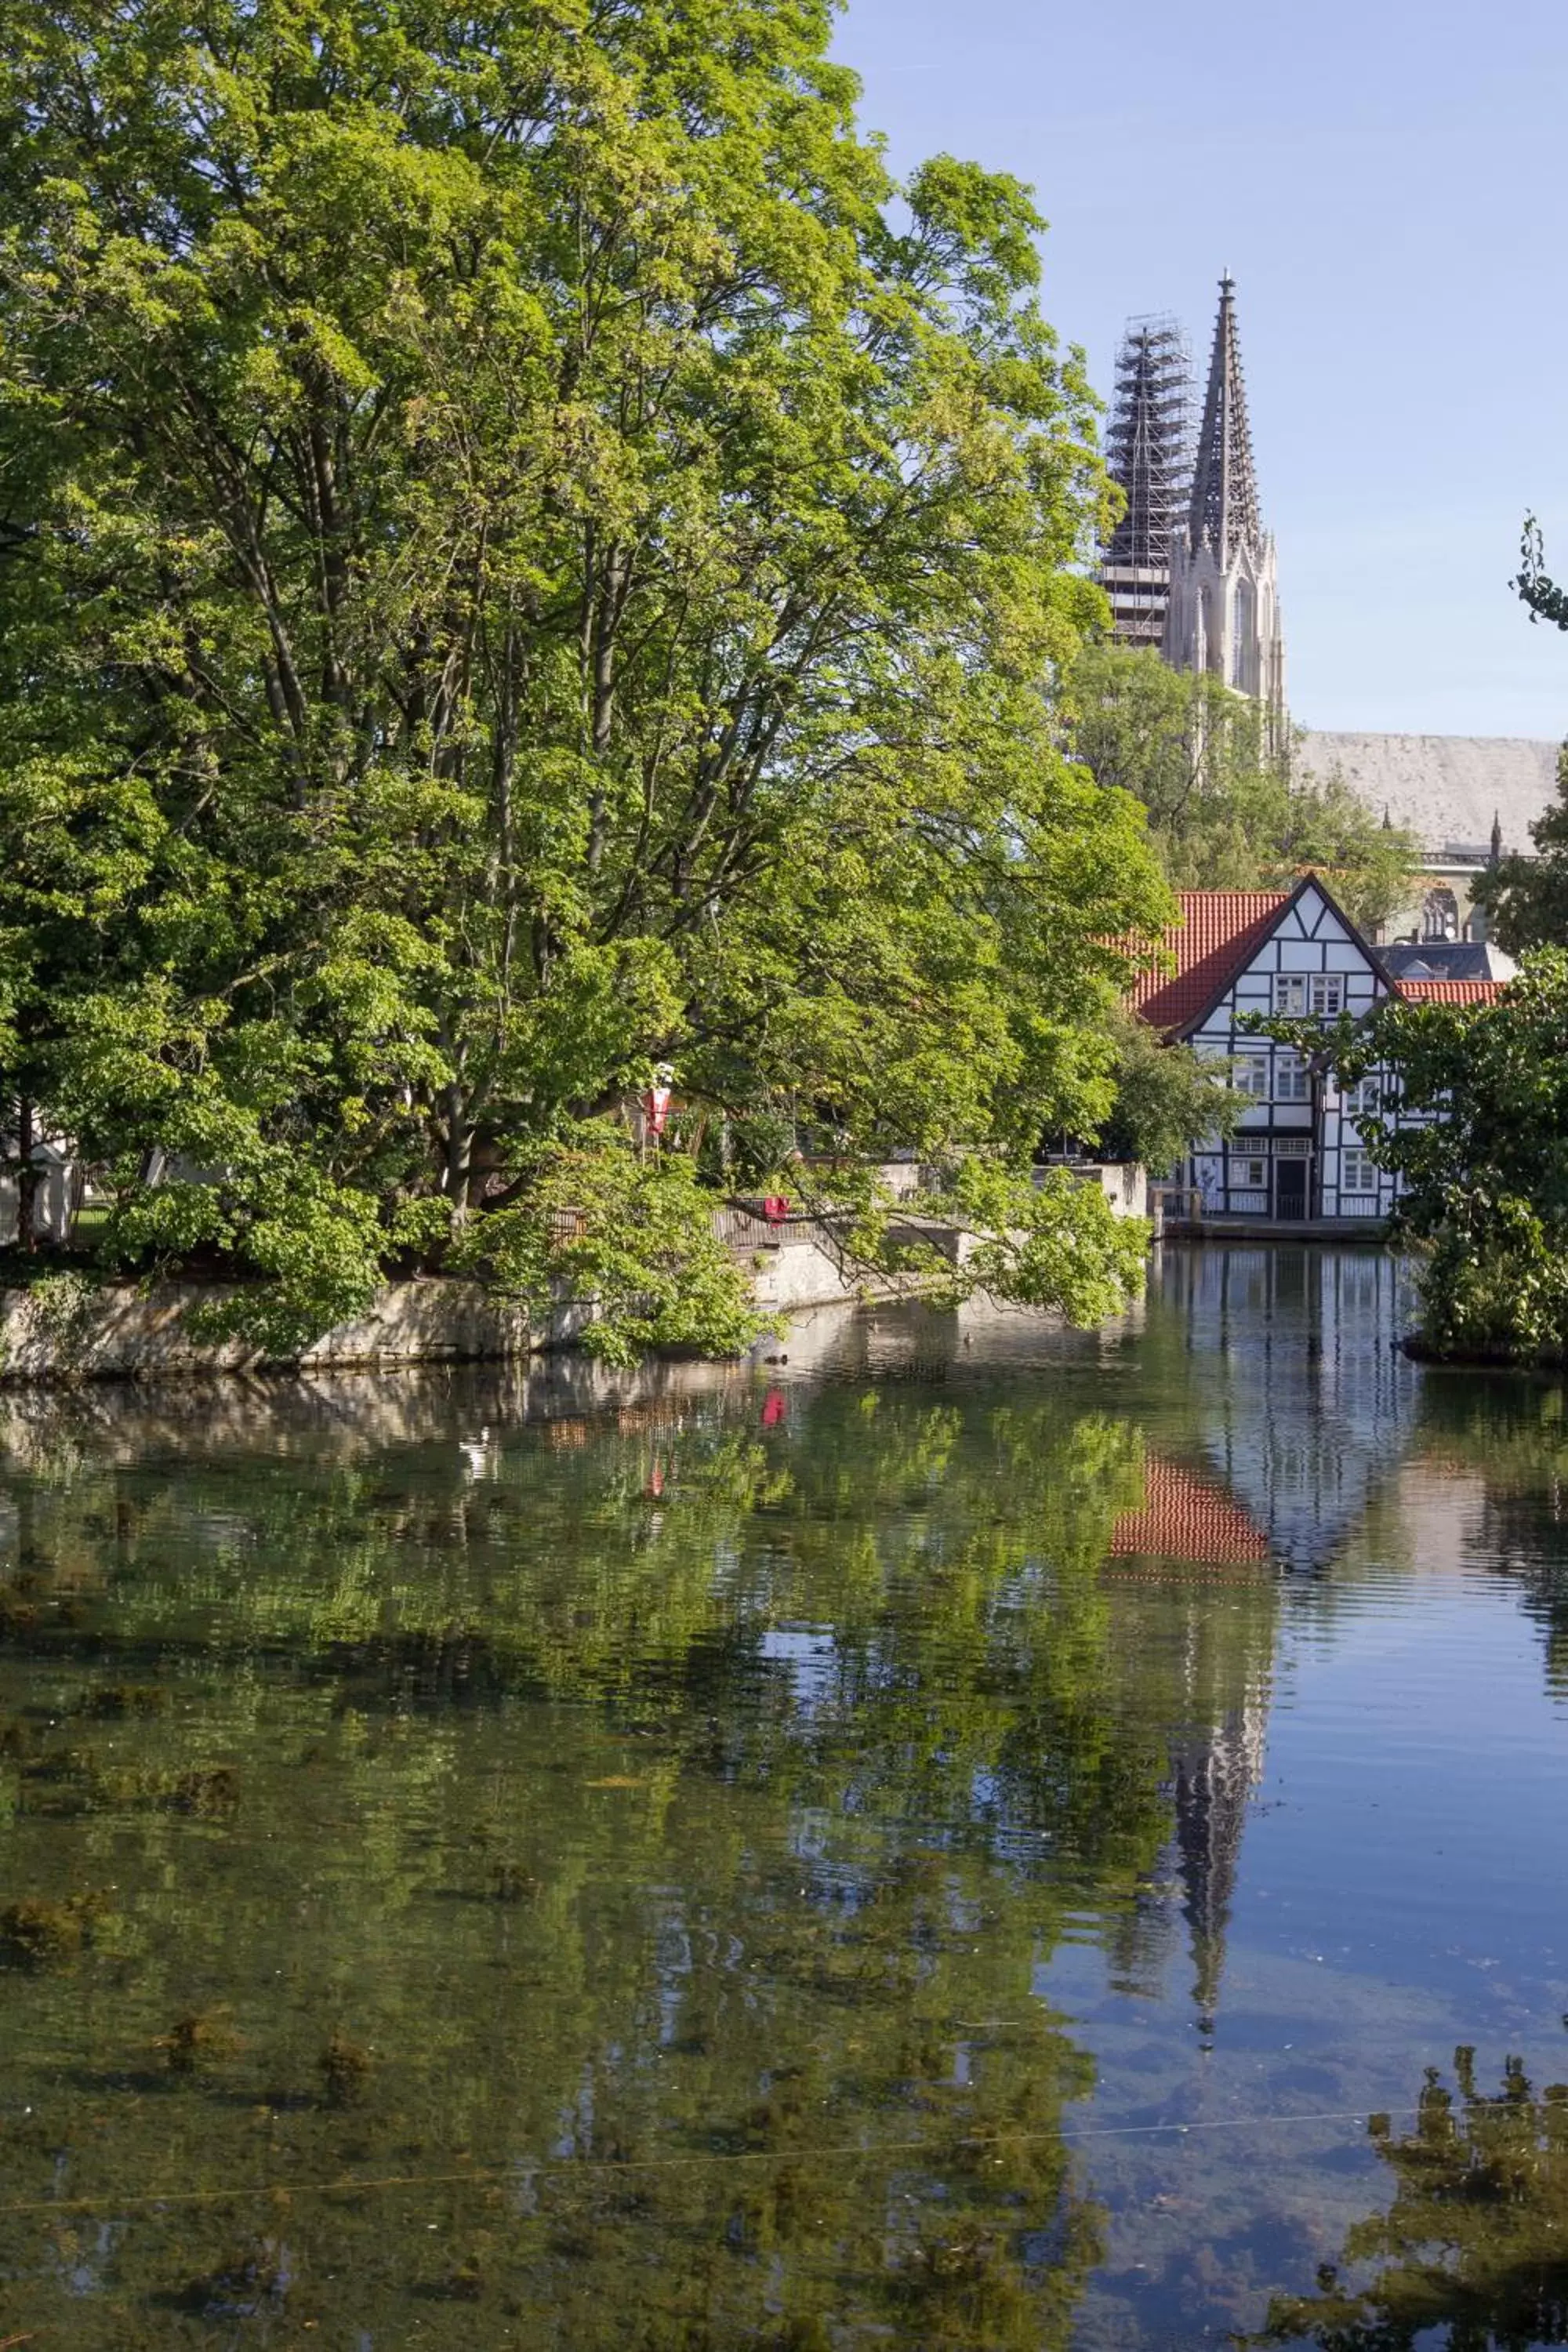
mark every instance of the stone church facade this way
{"type": "Point", "coordinates": [1191, 573]}
{"type": "Point", "coordinates": [1190, 570]}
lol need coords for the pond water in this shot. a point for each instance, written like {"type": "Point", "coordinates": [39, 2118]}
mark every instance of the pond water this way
{"type": "Point", "coordinates": [975, 1836]}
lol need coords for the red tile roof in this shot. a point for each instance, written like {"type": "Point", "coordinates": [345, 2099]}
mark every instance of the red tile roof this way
{"type": "Point", "coordinates": [1451, 991]}
{"type": "Point", "coordinates": [1184, 1517]}
{"type": "Point", "coordinates": [1220, 931]}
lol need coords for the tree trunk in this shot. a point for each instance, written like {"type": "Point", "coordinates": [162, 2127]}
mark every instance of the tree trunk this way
{"type": "Point", "coordinates": [460, 1154]}
{"type": "Point", "coordinates": [26, 1178]}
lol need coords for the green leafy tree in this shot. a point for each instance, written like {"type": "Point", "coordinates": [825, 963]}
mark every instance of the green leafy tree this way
{"type": "Point", "coordinates": [523, 554]}
{"type": "Point", "coordinates": [1228, 805]}
{"type": "Point", "coordinates": [634, 1236]}
{"type": "Point", "coordinates": [1526, 898]}
{"type": "Point", "coordinates": [1167, 1099]}
{"type": "Point", "coordinates": [1476, 1124]}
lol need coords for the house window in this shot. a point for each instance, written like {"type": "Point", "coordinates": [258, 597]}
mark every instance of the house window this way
{"type": "Point", "coordinates": [1322, 992]}
{"type": "Point", "coordinates": [1249, 1175]}
{"type": "Point", "coordinates": [1358, 1172]}
{"type": "Point", "coordinates": [1367, 1093]}
{"type": "Point", "coordinates": [1251, 1073]}
{"type": "Point", "coordinates": [1293, 1079]}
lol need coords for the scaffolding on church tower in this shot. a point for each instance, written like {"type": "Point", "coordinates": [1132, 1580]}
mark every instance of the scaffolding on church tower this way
{"type": "Point", "coordinates": [1150, 450]}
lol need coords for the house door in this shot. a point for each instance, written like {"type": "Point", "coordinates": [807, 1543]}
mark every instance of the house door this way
{"type": "Point", "coordinates": [1290, 1188]}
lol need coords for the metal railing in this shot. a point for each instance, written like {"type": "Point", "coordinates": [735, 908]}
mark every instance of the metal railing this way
{"type": "Point", "coordinates": [741, 1228]}
{"type": "Point", "coordinates": [737, 1226]}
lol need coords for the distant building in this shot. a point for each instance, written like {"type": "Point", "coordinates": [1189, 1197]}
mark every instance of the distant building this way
{"type": "Point", "coordinates": [1299, 1152]}
{"type": "Point", "coordinates": [1190, 570]}
{"type": "Point", "coordinates": [1467, 798]}
{"type": "Point", "coordinates": [1445, 958]}
{"type": "Point", "coordinates": [1191, 573]}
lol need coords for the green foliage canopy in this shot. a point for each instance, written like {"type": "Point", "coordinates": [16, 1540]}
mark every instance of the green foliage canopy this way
{"type": "Point", "coordinates": [1227, 808]}
{"type": "Point", "coordinates": [1526, 898]}
{"type": "Point", "coordinates": [517, 561]}
{"type": "Point", "coordinates": [1477, 1126]}
{"type": "Point", "coordinates": [1167, 1098]}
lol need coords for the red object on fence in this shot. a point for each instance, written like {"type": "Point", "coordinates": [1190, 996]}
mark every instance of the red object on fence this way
{"type": "Point", "coordinates": [776, 1208]}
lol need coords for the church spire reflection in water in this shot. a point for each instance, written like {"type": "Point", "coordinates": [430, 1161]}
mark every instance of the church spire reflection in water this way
{"type": "Point", "coordinates": [1216, 1658]}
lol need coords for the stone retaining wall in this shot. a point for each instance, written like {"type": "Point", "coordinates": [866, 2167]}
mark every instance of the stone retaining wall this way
{"type": "Point", "coordinates": [63, 1332]}
{"type": "Point", "coordinates": [67, 1330]}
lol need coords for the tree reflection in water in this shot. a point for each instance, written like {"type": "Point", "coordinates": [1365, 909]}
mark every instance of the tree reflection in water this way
{"type": "Point", "coordinates": [1476, 2239]}
{"type": "Point", "coordinates": [627, 1848]}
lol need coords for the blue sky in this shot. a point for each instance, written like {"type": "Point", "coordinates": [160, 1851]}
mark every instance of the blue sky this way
{"type": "Point", "coordinates": [1388, 182]}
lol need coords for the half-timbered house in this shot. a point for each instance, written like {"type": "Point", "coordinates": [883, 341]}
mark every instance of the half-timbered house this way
{"type": "Point", "coordinates": [1298, 1152]}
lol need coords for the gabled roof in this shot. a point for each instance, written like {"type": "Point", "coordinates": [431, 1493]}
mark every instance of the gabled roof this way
{"type": "Point", "coordinates": [1450, 991]}
{"type": "Point", "coordinates": [1220, 932]}
{"type": "Point", "coordinates": [1447, 789]}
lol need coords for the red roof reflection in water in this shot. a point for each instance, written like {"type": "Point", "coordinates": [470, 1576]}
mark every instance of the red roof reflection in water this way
{"type": "Point", "coordinates": [1188, 1517]}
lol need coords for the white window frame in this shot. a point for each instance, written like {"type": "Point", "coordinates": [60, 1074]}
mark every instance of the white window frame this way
{"type": "Point", "coordinates": [1250, 1076]}
{"type": "Point", "coordinates": [1292, 1079]}
{"type": "Point", "coordinates": [1328, 994]}
{"type": "Point", "coordinates": [1290, 992]}
{"type": "Point", "coordinates": [1367, 1093]}
{"type": "Point", "coordinates": [1358, 1171]}
{"type": "Point", "coordinates": [1253, 1176]}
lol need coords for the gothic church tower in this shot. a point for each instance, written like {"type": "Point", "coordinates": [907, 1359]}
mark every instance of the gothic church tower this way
{"type": "Point", "coordinates": [1151, 458]}
{"type": "Point", "coordinates": [1223, 609]}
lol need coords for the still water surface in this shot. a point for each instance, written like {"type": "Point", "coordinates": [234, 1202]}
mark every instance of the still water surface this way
{"type": "Point", "coordinates": [975, 1837]}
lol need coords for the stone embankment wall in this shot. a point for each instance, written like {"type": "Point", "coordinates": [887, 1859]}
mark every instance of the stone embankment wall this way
{"type": "Point", "coordinates": [66, 1330]}
{"type": "Point", "coordinates": [60, 1333]}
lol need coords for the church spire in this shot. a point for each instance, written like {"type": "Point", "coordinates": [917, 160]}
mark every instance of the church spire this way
{"type": "Point", "coordinates": [1221, 615]}
{"type": "Point", "coordinates": [1224, 509]}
